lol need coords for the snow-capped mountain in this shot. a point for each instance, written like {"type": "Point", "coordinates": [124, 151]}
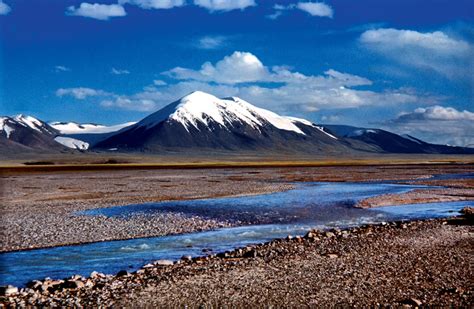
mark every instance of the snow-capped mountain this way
{"type": "Point", "coordinates": [202, 123]}
{"type": "Point", "coordinates": [9, 124]}
{"type": "Point", "coordinates": [86, 128]}
{"type": "Point", "coordinates": [27, 133]}
{"type": "Point", "coordinates": [377, 140]}
{"type": "Point", "coordinates": [205, 121]}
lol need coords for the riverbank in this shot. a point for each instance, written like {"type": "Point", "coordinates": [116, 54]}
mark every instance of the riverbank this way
{"type": "Point", "coordinates": [39, 209]}
{"type": "Point", "coordinates": [419, 262]}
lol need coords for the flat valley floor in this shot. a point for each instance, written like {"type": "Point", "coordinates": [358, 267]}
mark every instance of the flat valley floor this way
{"type": "Point", "coordinates": [427, 262]}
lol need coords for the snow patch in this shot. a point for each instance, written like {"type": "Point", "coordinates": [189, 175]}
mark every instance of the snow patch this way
{"type": "Point", "coordinates": [411, 138]}
{"type": "Point", "coordinates": [4, 126]}
{"type": "Point", "coordinates": [361, 132]}
{"type": "Point", "coordinates": [77, 128]}
{"type": "Point", "coordinates": [8, 130]}
{"type": "Point", "coordinates": [72, 143]}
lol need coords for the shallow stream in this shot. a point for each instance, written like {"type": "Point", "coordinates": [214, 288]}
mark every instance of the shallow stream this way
{"type": "Point", "coordinates": [265, 217]}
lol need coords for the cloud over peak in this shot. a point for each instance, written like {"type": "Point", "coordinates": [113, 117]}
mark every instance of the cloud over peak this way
{"type": "Point", "coordinates": [437, 124]}
{"type": "Point", "coordinates": [243, 74]}
{"type": "Point", "coordinates": [97, 11]}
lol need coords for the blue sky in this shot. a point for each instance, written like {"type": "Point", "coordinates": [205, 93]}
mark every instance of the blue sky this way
{"type": "Point", "coordinates": [406, 66]}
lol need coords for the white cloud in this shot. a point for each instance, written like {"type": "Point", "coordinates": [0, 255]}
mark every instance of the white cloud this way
{"type": "Point", "coordinates": [278, 88]}
{"type": "Point", "coordinates": [436, 124]}
{"type": "Point", "coordinates": [225, 5]}
{"type": "Point", "coordinates": [158, 82]}
{"type": "Point", "coordinates": [61, 68]}
{"type": "Point", "coordinates": [81, 93]}
{"type": "Point", "coordinates": [437, 41]}
{"type": "Point", "coordinates": [124, 102]}
{"type": "Point", "coordinates": [97, 11]}
{"type": "Point", "coordinates": [239, 67]}
{"type": "Point", "coordinates": [211, 42]}
{"type": "Point", "coordinates": [155, 4]}
{"type": "Point", "coordinates": [312, 8]}
{"type": "Point", "coordinates": [244, 67]}
{"type": "Point", "coordinates": [435, 51]}
{"type": "Point", "coordinates": [437, 113]}
{"type": "Point", "coordinates": [119, 71]}
{"type": "Point", "coordinates": [4, 8]}
{"type": "Point", "coordinates": [316, 9]}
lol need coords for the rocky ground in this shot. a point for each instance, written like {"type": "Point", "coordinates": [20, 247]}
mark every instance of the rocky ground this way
{"type": "Point", "coordinates": [39, 209]}
{"type": "Point", "coordinates": [453, 190]}
{"type": "Point", "coordinates": [403, 263]}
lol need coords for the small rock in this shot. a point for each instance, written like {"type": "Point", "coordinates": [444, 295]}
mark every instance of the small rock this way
{"type": "Point", "coordinates": [412, 302]}
{"type": "Point", "coordinates": [35, 284]}
{"type": "Point", "coordinates": [329, 234]}
{"type": "Point", "coordinates": [164, 263]}
{"type": "Point", "coordinates": [332, 256]}
{"type": "Point", "coordinates": [251, 254]}
{"type": "Point", "coordinates": [187, 258]}
{"type": "Point", "coordinates": [95, 274]}
{"type": "Point", "coordinates": [122, 273]}
{"type": "Point", "coordinates": [8, 290]}
{"type": "Point", "coordinates": [468, 212]}
{"type": "Point", "coordinates": [73, 284]}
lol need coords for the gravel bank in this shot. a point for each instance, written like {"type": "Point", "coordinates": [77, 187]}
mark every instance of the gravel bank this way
{"type": "Point", "coordinates": [420, 262]}
{"type": "Point", "coordinates": [39, 210]}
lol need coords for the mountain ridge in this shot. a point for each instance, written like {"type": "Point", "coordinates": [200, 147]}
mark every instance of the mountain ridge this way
{"type": "Point", "coordinates": [201, 122]}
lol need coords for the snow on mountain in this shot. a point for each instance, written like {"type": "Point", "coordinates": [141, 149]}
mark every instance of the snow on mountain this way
{"type": "Point", "coordinates": [204, 108]}
{"type": "Point", "coordinates": [411, 138]}
{"type": "Point", "coordinates": [360, 132]}
{"type": "Point", "coordinates": [9, 124]}
{"type": "Point", "coordinates": [34, 123]}
{"type": "Point", "coordinates": [72, 143]}
{"type": "Point", "coordinates": [77, 128]}
{"type": "Point", "coordinates": [4, 127]}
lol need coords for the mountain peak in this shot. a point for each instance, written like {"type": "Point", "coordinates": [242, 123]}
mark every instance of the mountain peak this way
{"type": "Point", "coordinates": [198, 96]}
{"type": "Point", "coordinates": [199, 109]}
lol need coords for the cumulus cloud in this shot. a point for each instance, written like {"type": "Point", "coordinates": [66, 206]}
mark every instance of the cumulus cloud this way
{"type": "Point", "coordinates": [119, 71]}
{"type": "Point", "coordinates": [155, 4]}
{"type": "Point", "coordinates": [312, 8]}
{"type": "Point", "coordinates": [80, 93]}
{"type": "Point", "coordinates": [97, 11]}
{"type": "Point", "coordinates": [61, 68]}
{"type": "Point", "coordinates": [4, 8]}
{"type": "Point", "coordinates": [211, 42]}
{"type": "Point", "coordinates": [278, 88]}
{"type": "Point", "coordinates": [225, 5]}
{"type": "Point", "coordinates": [244, 67]}
{"type": "Point", "coordinates": [435, 51]}
{"type": "Point", "coordinates": [316, 9]}
{"type": "Point", "coordinates": [437, 124]}
{"type": "Point", "coordinates": [127, 103]}
{"type": "Point", "coordinates": [239, 67]}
